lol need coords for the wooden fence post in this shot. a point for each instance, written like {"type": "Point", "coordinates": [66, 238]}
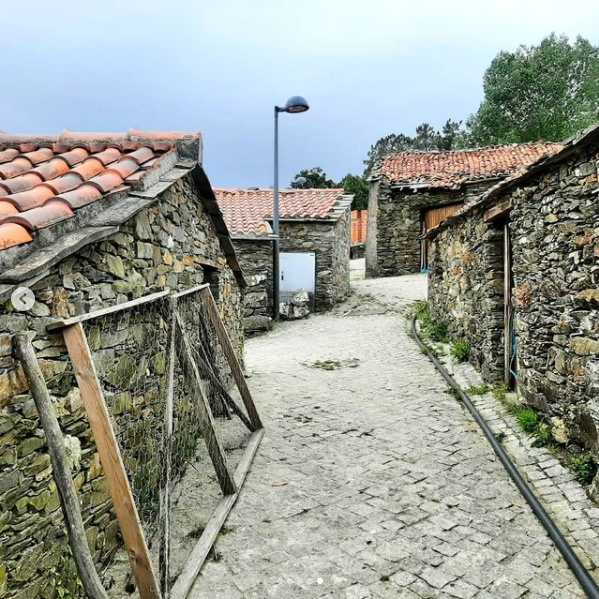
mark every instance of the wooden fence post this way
{"type": "Point", "coordinates": [60, 470]}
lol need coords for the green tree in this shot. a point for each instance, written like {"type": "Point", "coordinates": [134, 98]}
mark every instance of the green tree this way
{"type": "Point", "coordinates": [315, 178]}
{"type": "Point", "coordinates": [548, 92]}
{"type": "Point", "coordinates": [452, 137]}
{"type": "Point", "coordinates": [359, 187]}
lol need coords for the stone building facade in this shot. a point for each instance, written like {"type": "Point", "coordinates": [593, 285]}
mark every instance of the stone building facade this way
{"type": "Point", "coordinates": [311, 220]}
{"type": "Point", "coordinates": [516, 275]}
{"type": "Point", "coordinates": [413, 191]}
{"type": "Point", "coordinates": [129, 216]}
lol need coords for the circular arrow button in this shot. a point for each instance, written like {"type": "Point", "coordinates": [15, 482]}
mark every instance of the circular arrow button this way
{"type": "Point", "coordinates": [22, 299]}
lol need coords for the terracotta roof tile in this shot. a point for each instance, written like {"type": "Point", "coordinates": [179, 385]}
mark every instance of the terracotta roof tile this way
{"type": "Point", "coordinates": [37, 156]}
{"type": "Point", "coordinates": [107, 156]}
{"type": "Point", "coordinates": [20, 183]}
{"type": "Point", "coordinates": [67, 182]}
{"type": "Point", "coordinates": [7, 209]}
{"type": "Point", "coordinates": [52, 169]}
{"type": "Point", "coordinates": [125, 167]}
{"type": "Point", "coordinates": [16, 167]}
{"type": "Point", "coordinates": [8, 155]}
{"type": "Point", "coordinates": [32, 198]}
{"type": "Point", "coordinates": [74, 156]}
{"type": "Point", "coordinates": [247, 210]}
{"type": "Point", "coordinates": [89, 168]}
{"type": "Point", "coordinates": [44, 179]}
{"type": "Point", "coordinates": [50, 213]}
{"type": "Point", "coordinates": [12, 234]}
{"type": "Point", "coordinates": [453, 169]}
{"type": "Point", "coordinates": [82, 196]}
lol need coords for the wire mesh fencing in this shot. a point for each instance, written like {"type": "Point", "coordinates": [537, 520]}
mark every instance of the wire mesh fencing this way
{"type": "Point", "coordinates": [166, 370]}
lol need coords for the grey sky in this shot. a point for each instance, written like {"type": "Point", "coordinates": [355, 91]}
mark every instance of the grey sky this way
{"type": "Point", "coordinates": [367, 67]}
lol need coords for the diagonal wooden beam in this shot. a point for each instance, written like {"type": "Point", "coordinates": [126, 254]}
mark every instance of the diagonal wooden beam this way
{"type": "Point", "coordinates": [215, 449]}
{"type": "Point", "coordinates": [112, 462]}
{"type": "Point", "coordinates": [229, 350]}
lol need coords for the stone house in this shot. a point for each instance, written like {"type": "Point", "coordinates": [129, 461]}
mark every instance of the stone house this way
{"type": "Point", "coordinates": [411, 192]}
{"type": "Point", "coordinates": [515, 273]}
{"type": "Point", "coordinates": [88, 221]}
{"type": "Point", "coordinates": [313, 222]}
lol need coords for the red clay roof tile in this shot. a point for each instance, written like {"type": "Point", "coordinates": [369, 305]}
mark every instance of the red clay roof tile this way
{"type": "Point", "coordinates": [65, 183]}
{"type": "Point", "coordinates": [12, 234]}
{"type": "Point", "coordinates": [8, 155]}
{"type": "Point", "coordinates": [20, 183]}
{"type": "Point", "coordinates": [89, 168]}
{"type": "Point", "coordinates": [453, 169]}
{"type": "Point", "coordinates": [50, 213]}
{"type": "Point", "coordinates": [107, 180]}
{"type": "Point", "coordinates": [16, 167]}
{"type": "Point", "coordinates": [32, 198]}
{"type": "Point", "coordinates": [74, 156]}
{"type": "Point", "coordinates": [142, 155]}
{"type": "Point", "coordinates": [108, 155]}
{"type": "Point", "coordinates": [124, 167]}
{"type": "Point", "coordinates": [52, 169]}
{"type": "Point", "coordinates": [246, 210]}
{"type": "Point", "coordinates": [41, 155]}
{"type": "Point", "coordinates": [7, 209]}
{"type": "Point", "coordinates": [82, 196]}
{"type": "Point", "coordinates": [44, 178]}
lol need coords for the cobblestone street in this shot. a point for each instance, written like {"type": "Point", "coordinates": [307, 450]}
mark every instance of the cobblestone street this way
{"type": "Point", "coordinates": [372, 480]}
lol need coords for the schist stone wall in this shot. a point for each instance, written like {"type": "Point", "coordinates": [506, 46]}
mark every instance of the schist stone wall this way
{"type": "Point", "coordinates": [466, 289]}
{"type": "Point", "coordinates": [554, 225]}
{"type": "Point", "coordinates": [330, 241]}
{"type": "Point", "coordinates": [255, 258]}
{"type": "Point", "coordinates": [393, 242]}
{"type": "Point", "coordinates": [171, 244]}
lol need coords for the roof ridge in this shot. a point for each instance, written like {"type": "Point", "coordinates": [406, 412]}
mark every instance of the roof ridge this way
{"type": "Point", "coordinates": [478, 149]}
{"type": "Point", "coordinates": [188, 144]}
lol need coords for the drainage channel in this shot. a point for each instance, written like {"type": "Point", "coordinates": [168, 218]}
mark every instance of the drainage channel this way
{"type": "Point", "coordinates": [588, 585]}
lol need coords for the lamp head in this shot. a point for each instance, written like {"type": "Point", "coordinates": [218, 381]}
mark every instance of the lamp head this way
{"type": "Point", "coordinates": [296, 104]}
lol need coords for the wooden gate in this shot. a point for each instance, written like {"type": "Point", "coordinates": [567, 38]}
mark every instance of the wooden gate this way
{"type": "Point", "coordinates": [430, 219]}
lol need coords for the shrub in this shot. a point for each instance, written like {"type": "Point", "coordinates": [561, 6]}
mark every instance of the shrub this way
{"type": "Point", "coordinates": [460, 351]}
{"type": "Point", "coordinates": [584, 468]}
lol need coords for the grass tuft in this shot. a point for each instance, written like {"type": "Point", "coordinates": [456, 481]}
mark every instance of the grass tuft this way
{"type": "Point", "coordinates": [527, 420]}
{"type": "Point", "coordinates": [460, 351]}
{"type": "Point", "coordinates": [480, 390]}
{"type": "Point", "coordinates": [430, 330]}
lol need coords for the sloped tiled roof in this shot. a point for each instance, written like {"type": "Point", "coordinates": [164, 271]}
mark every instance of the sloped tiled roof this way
{"type": "Point", "coordinates": [59, 193]}
{"type": "Point", "coordinates": [46, 179]}
{"type": "Point", "coordinates": [452, 169]}
{"type": "Point", "coordinates": [246, 211]}
{"type": "Point", "coordinates": [522, 175]}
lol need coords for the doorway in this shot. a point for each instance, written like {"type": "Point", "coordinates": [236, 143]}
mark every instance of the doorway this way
{"type": "Point", "coordinates": [298, 273]}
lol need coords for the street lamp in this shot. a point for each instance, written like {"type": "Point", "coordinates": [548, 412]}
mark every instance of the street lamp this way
{"type": "Point", "coordinates": [294, 105]}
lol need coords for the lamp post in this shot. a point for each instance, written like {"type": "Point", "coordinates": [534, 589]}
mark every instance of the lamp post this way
{"type": "Point", "coordinates": [294, 105]}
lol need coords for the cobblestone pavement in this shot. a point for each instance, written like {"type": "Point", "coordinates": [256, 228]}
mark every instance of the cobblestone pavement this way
{"type": "Point", "coordinates": [372, 481]}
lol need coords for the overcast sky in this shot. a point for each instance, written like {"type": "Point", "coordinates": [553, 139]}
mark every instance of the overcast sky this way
{"type": "Point", "coordinates": [367, 68]}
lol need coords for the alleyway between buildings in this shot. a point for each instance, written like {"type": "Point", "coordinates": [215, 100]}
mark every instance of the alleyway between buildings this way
{"type": "Point", "coordinates": [372, 481]}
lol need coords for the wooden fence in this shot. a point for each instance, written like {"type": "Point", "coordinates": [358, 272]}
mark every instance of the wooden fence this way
{"type": "Point", "coordinates": [359, 219]}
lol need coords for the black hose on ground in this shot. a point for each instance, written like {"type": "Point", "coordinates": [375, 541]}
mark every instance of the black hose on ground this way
{"type": "Point", "coordinates": [588, 585]}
